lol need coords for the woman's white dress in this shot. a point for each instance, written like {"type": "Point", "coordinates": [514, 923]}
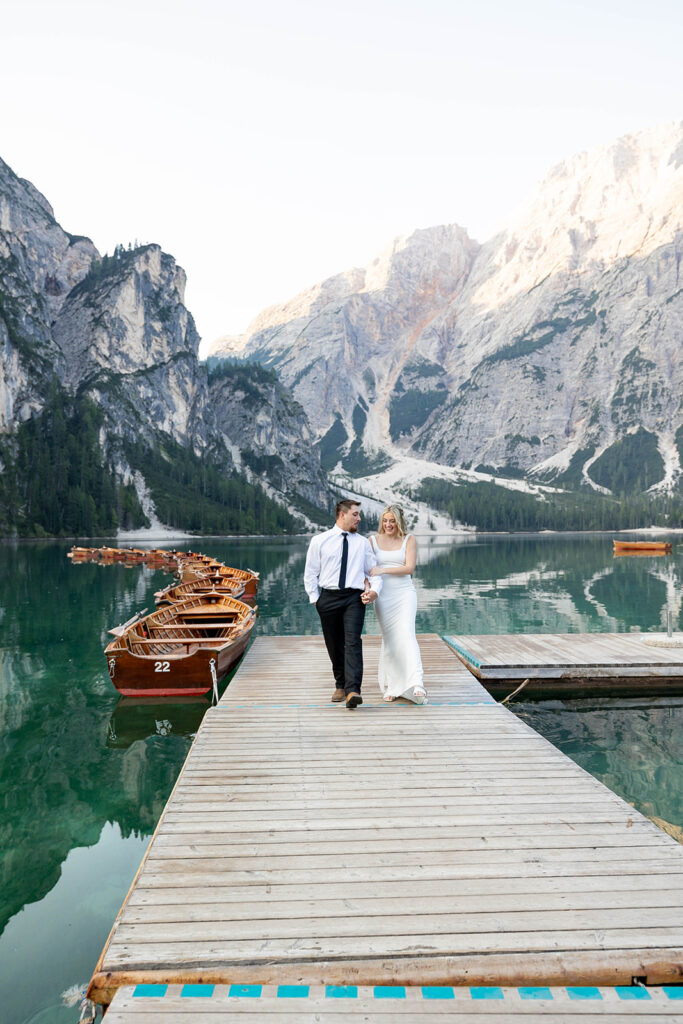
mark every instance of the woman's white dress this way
{"type": "Point", "coordinates": [400, 664]}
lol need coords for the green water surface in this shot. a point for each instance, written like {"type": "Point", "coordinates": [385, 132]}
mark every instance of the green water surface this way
{"type": "Point", "coordinates": [84, 774]}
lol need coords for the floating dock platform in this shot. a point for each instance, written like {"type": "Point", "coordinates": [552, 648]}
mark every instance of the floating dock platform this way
{"type": "Point", "coordinates": [575, 664]}
{"type": "Point", "coordinates": [391, 848]}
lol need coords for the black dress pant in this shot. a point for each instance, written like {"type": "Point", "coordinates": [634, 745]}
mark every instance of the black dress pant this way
{"type": "Point", "coordinates": [342, 614]}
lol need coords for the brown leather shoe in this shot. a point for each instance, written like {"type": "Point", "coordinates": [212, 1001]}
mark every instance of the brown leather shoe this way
{"type": "Point", "coordinates": [353, 700]}
{"type": "Point", "coordinates": [338, 695]}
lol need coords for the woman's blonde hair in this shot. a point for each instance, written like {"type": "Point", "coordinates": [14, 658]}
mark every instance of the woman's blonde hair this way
{"type": "Point", "coordinates": [397, 513]}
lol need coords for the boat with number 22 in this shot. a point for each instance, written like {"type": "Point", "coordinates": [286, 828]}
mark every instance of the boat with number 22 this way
{"type": "Point", "coordinates": [182, 649]}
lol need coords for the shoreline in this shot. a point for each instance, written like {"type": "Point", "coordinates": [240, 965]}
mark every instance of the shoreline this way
{"type": "Point", "coordinates": [161, 540]}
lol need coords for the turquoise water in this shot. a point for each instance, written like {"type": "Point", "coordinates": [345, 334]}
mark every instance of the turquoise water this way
{"type": "Point", "coordinates": [84, 775]}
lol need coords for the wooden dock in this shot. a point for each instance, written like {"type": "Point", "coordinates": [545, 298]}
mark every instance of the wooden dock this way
{"type": "Point", "coordinates": [575, 664]}
{"type": "Point", "coordinates": [391, 846]}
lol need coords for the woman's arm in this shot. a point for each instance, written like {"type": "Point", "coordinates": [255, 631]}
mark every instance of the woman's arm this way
{"type": "Point", "coordinates": [408, 567]}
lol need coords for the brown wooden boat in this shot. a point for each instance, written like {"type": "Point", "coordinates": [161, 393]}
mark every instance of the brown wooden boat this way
{"type": "Point", "coordinates": [193, 568]}
{"type": "Point", "coordinates": [111, 554]}
{"type": "Point", "coordinates": [82, 554]}
{"type": "Point", "coordinates": [133, 556]}
{"type": "Point", "coordinates": [182, 649]}
{"type": "Point", "coordinates": [634, 546]}
{"type": "Point", "coordinates": [204, 585]}
{"type": "Point", "coordinates": [248, 577]}
{"type": "Point", "coordinates": [160, 558]}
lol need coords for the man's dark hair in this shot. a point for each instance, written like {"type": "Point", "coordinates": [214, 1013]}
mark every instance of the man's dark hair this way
{"type": "Point", "coordinates": [344, 506]}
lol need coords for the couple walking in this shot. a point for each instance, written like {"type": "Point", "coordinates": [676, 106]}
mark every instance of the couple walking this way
{"type": "Point", "coordinates": [344, 574]}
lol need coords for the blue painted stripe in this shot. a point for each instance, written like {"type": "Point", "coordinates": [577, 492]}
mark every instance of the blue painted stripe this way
{"type": "Point", "coordinates": [437, 992]}
{"type": "Point", "coordinates": [389, 992]}
{"type": "Point", "coordinates": [253, 991]}
{"type": "Point", "coordinates": [583, 992]}
{"type": "Point", "coordinates": [486, 992]}
{"type": "Point", "coordinates": [341, 991]}
{"type": "Point", "coordinates": [535, 992]}
{"type": "Point", "coordinates": [462, 650]}
{"type": "Point", "coordinates": [150, 990]}
{"type": "Point", "coordinates": [632, 992]}
{"type": "Point", "coordinates": [197, 990]}
{"type": "Point", "coordinates": [673, 991]}
{"type": "Point", "coordinates": [293, 991]}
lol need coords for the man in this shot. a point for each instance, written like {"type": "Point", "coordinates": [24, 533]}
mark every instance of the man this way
{"type": "Point", "coordinates": [337, 564]}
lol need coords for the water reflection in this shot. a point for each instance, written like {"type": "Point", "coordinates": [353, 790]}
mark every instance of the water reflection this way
{"type": "Point", "coordinates": [136, 718]}
{"type": "Point", "coordinates": [635, 747]}
{"type": "Point", "coordinates": [75, 761]}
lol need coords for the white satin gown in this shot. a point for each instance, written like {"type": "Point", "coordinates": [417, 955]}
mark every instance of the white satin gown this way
{"type": "Point", "coordinates": [400, 664]}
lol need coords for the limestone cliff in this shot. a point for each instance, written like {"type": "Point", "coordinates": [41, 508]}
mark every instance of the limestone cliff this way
{"type": "Point", "coordinates": [80, 332]}
{"type": "Point", "coordinates": [553, 350]}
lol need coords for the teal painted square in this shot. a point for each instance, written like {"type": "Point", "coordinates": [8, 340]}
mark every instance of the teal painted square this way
{"type": "Point", "coordinates": [341, 991]}
{"type": "Point", "coordinates": [485, 992]}
{"type": "Point", "coordinates": [245, 990]}
{"type": "Point", "coordinates": [535, 992]}
{"type": "Point", "coordinates": [673, 991]}
{"type": "Point", "coordinates": [437, 992]}
{"type": "Point", "coordinates": [582, 992]}
{"type": "Point", "coordinates": [197, 990]}
{"type": "Point", "coordinates": [632, 992]}
{"type": "Point", "coordinates": [150, 990]}
{"type": "Point", "coordinates": [293, 991]}
{"type": "Point", "coordinates": [389, 992]}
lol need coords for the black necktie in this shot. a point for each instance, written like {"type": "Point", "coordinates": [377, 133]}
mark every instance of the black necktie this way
{"type": "Point", "coordinates": [345, 558]}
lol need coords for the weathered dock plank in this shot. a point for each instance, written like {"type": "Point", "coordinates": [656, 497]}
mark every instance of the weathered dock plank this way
{"type": "Point", "coordinates": [572, 664]}
{"type": "Point", "coordinates": [448, 844]}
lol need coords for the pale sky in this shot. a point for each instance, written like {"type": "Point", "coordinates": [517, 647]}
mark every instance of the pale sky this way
{"type": "Point", "coordinates": [268, 144]}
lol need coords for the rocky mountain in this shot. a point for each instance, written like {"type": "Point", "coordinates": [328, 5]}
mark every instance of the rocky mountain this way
{"type": "Point", "coordinates": [551, 352]}
{"type": "Point", "coordinates": [99, 363]}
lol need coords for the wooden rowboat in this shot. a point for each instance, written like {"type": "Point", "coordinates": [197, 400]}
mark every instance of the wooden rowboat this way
{"type": "Point", "coordinates": [248, 577]}
{"type": "Point", "coordinates": [654, 546]}
{"type": "Point", "coordinates": [204, 585]}
{"type": "Point", "coordinates": [111, 554]}
{"type": "Point", "coordinates": [181, 649]}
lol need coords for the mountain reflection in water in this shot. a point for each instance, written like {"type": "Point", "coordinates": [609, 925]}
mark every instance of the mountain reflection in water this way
{"type": "Point", "coordinates": [634, 746]}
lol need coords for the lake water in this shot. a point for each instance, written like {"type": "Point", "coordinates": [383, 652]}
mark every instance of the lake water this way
{"type": "Point", "coordinates": [84, 775]}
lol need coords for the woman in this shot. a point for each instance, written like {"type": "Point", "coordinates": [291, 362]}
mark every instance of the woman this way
{"type": "Point", "coordinates": [400, 665]}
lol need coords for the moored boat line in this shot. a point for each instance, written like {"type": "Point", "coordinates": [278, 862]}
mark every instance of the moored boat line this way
{"type": "Point", "coordinates": [196, 635]}
{"type": "Point", "coordinates": [132, 556]}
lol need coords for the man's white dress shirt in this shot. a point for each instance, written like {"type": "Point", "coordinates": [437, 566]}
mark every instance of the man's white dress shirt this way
{"type": "Point", "coordinates": [323, 563]}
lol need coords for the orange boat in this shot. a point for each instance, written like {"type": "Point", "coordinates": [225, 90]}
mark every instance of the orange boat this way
{"type": "Point", "coordinates": [82, 554]}
{"type": "Point", "coordinates": [181, 649]}
{"type": "Point", "coordinates": [111, 554]}
{"type": "Point", "coordinates": [645, 546]}
{"type": "Point", "coordinates": [204, 585]}
{"type": "Point", "coordinates": [247, 577]}
{"type": "Point", "coordinates": [199, 567]}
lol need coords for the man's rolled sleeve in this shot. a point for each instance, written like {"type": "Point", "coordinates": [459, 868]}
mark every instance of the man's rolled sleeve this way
{"type": "Point", "coordinates": [370, 563]}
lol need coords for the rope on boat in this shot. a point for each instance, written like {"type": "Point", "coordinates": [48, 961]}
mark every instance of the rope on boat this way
{"type": "Point", "coordinates": [214, 677]}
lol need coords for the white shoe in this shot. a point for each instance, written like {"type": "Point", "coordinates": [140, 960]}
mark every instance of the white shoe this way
{"type": "Point", "coordinates": [388, 698]}
{"type": "Point", "coordinates": [420, 695]}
